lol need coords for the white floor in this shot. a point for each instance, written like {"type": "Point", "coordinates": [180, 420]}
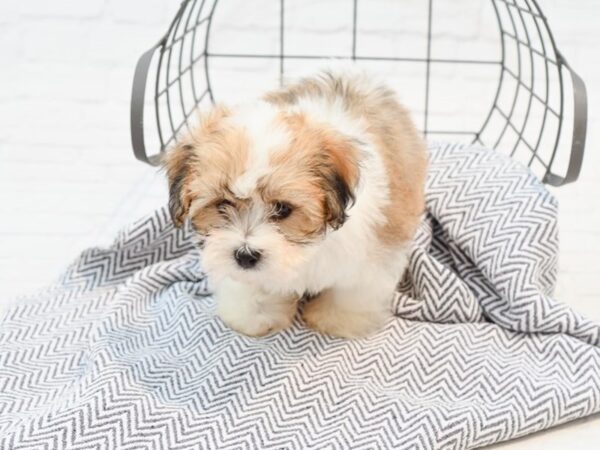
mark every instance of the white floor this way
{"type": "Point", "coordinates": [68, 179]}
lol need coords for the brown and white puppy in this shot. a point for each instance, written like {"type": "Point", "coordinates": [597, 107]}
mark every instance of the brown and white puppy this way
{"type": "Point", "coordinates": [314, 189]}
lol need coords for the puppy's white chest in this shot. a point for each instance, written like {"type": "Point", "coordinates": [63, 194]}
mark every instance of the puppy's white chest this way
{"type": "Point", "coordinates": [338, 262]}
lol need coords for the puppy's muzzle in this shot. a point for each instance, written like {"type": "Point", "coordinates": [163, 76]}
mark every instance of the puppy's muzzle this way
{"type": "Point", "coordinates": [246, 257]}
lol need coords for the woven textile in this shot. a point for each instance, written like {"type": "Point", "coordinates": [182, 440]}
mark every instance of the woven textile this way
{"type": "Point", "coordinates": [125, 351]}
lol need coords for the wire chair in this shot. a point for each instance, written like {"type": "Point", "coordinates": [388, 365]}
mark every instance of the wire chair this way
{"type": "Point", "coordinates": [529, 109]}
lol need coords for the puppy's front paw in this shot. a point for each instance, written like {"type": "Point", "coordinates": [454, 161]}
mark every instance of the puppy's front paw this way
{"type": "Point", "coordinates": [327, 316]}
{"type": "Point", "coordinates": [256, 326]}
{"type": "Point", "coordinates": [253, 312]}
{"type": "Point", "coordinates": [248, 319]}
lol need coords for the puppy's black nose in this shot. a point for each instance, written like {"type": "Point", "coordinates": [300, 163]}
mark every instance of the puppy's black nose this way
{"type": "Point", "coordinates": [246, 257]}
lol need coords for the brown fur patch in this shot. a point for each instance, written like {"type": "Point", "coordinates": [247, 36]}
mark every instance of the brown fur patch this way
{"type": "Point", "coordinates": [316, 174]}
{"type": "Point", "coordinates": [201, 167]}
{"type": "Point", "coordinates": [398, 142]}
{"type": "Point", "coordinates": [177, 164]}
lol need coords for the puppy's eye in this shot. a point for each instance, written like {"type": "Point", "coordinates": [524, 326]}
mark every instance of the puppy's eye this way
{"type": "Point", "coordinates": [223, 205]}
{"type": "Point", "coordinates": [281, 210]}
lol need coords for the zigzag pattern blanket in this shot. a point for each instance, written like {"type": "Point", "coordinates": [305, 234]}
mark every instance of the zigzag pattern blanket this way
{"type": "Point", "coordinates": [125, 351]}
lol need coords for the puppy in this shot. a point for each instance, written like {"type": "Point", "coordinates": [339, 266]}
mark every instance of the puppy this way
{"type": "Point", "coordinates": [314, 190]}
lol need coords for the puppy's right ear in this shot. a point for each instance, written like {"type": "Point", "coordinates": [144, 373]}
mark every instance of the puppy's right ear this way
{"type": "Point", "coordinates": [181, 160]}
{"type": "Point", "coordinates": [177, 163]}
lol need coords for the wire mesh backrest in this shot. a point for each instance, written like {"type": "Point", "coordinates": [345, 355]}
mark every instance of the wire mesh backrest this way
{"type": "Point", "coordinates": [517, 78]}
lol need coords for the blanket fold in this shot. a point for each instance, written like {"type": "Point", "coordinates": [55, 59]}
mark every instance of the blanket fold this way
{"type": "Point", "coordinates": [125, 350]}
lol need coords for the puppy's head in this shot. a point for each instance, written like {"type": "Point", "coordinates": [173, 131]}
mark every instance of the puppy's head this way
{"type": "Point", "coordinates": [262, 187]}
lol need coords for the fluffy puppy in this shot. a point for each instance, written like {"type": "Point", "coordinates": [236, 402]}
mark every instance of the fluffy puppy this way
{"type": "Point", "coordinates": [314, 190]}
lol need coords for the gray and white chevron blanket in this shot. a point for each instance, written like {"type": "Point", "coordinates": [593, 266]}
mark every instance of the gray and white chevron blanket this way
{"type": "Point", "coordinates": [125, 351]}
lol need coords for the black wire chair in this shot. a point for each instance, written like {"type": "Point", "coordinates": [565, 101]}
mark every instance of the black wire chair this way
{"type": "Point", "coordinates": [529, 103]}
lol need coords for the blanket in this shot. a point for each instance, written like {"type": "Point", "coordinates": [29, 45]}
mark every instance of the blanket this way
{"type": "Point", "coordinates": [125, 350]}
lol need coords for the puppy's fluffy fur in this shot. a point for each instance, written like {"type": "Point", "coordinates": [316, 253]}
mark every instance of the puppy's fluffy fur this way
{"type": "Point", "coordinates": [315, 189]}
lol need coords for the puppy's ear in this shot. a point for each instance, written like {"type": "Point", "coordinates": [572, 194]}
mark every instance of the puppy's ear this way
{"type": "Point", "coordinates": [340, 178]}
{"type": "Point", "coordinates": [183, 158]}
{"type": "Point", "coordinates": [177, 162]}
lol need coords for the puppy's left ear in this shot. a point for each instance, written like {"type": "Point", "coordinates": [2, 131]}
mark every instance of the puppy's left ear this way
{"type": "Point", "coordinates": [177, 163]}
{"type": "Point", "coordinates": [341, 178]}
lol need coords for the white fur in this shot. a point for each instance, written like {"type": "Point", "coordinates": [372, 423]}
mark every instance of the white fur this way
{"type": "Point", "coordinates": [355, 274]}
{"type": "Point", "coordinates": [265, 137]}
{"type": "Point", "coordinates": [251, 311]}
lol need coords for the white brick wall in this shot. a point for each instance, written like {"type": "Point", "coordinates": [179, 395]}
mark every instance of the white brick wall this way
{"type": "Point", "coordinates": [67, 175]}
